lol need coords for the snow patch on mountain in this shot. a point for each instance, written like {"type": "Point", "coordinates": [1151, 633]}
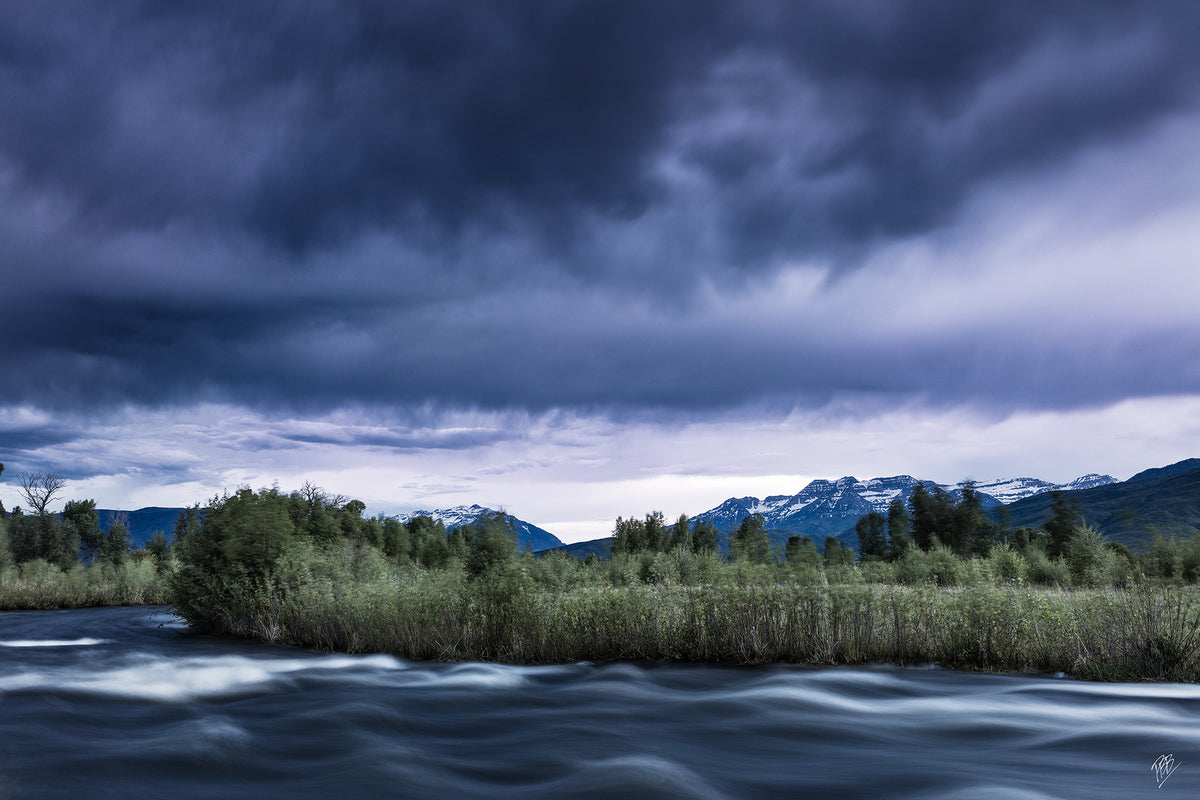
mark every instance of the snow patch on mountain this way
{"type": "Point", "coordinates": [1089, 481]}
{"type": "Point", "coordinates": [829, 506]}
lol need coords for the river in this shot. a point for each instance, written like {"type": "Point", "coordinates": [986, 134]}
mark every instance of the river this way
{"type": "Point", "coordinates": [128, 703]}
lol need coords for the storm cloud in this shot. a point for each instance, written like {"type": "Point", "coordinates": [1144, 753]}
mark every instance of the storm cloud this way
{"type": "Point", "coordinates": [637, 210]}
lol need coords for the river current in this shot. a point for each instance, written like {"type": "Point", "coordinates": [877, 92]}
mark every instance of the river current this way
{"type": "Point", "coordinates": [128, 703]}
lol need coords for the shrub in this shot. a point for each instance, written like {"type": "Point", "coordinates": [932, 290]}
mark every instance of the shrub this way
{"type": "Point", "coordinates": [938, 566]}
{"type": "Point", "coordinates": [1041, 570]}
{"type": "Point", "coordinates": [1007, 565]}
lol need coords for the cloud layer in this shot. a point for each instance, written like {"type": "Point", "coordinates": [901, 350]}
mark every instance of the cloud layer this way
{"type": "Point", "coordinates": [630, 211]}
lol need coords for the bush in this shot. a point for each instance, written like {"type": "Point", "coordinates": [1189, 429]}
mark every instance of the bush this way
{"type": "Point", "coordinates": [40, 584]}
{"type": "Point", "coordinates": [1043, 571]}
{"type": "Point", "coordinates": [1007, 565]}
{"type": "Point", "coordinates": [938, 566]}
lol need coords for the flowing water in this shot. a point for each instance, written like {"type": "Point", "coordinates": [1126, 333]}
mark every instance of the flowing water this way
{"type": "Point", "coordinates": [126, 702]}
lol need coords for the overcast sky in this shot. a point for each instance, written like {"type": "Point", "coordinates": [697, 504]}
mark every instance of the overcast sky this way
{"type": "Point", "coordinates": [588, 259]}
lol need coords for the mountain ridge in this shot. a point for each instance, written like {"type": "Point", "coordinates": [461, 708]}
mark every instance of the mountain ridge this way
{"type": "Point", "coordinates": [529, 536]}
{"type": "Point", "coordinates": [1164, 500]}
{"type": "Point", "coordinates": [824, 507]}
{"type": "Point", "coordinates": [827, 507]}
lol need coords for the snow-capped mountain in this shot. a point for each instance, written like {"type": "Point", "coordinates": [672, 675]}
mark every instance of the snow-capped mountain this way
{"type": "Point", "coordinates": [828, 507]}
{"type": "Point", "coordinates": [1089, 481]}
{"type": "Point", "coordinates": [1009, 490]}
{"type": "Point", "coordinates": [529, 536]}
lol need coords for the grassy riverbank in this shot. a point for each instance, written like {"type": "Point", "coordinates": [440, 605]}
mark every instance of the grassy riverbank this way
{"type": "Point", "coordinates": [299, 569]}
{"type": "Point", "coordinates": [1138, 633]}
{"type": "Point", "coordinates": [308, 570]}
{"type": "Point", "coordinates": [41, 585]}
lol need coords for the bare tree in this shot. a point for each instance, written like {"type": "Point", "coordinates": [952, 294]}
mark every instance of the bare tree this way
{"type": "Point", "coordinates": [118, 518]}
{"type": "Point", "coordinates": [40, 489]}
{"type": "Point", "coordinates": [316, 496]}
{"type": "Point", "coordinates": [312, 494]}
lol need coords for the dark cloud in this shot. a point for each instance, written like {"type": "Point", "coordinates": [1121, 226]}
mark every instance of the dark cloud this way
{"type": "Point", "coordinates": [402, 440]}
{"type": "Point", "coordinates": [18, 440]}
{"type": "Point", "coordinates": [307, 123]}
{"type": "Point", "coordinates": [475, 204]}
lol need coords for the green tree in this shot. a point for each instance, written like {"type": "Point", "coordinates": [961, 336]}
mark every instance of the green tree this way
{"type": "Point", "coordinates": [923, 517]}
{"type": "Point", "coordinates": [801, 550]}
{"type": "Point", "coordinates": [5, 552]}
{"type": "Point", "coordinates": [655, 532]}
{"type": "Point", "coordinates": [435, 552]}
{"type": "Point", "coordinates": [350, 521]}
{"type": "Point", "coordinates": [975, 533]}
{"type": "Point", "coordinates": [934, 516]}
{"type": "Point", "coordinates": [629, 536]}
{"type": "Point", "coordinates": [899, 528]}
{"type": "Point", "coordinates": [159, 547]}
{"type": "Point", "coordinates": [681, 534]}
{"type": "Point", "coordinates": [428, 541]}
{"type": "Point", "coordinates": [1065, 517]}
{"type": "Point", "coordinates": [186, 523]}
{"type": "Point", "coordinates": [750, 542]}
{"type": "Point", "coordinates": [837, 554]}
{"type": "Point", "coordinates": [230, 556]}
{"type": "Point", "coordinates": [258, 527]}
{"type": "Point", "coordinates": [1087, 557]}
{"type": "Point", "coordinates": [871, 529]}
{"type": "Point", "coordinates": [246, 530]}
{"type": "Point", "coordinates": [316, 514]}
{"type": "Point", "coordinates": [493, 545]}
{"type": "Point", "coordinates": [43, 536]}
{"type": "Point", "coordinates": [22, 536]}
{"type": "Point", "coordinates": [647, 535]}
{"type": "Point", "coordinates": [396, 542]}
{"type": "Point", "coordinates": [81, 519]}
{"type": "Point", "coordinates": [705, 537]}
{"type": "Point", "coordinates": [116, 543]}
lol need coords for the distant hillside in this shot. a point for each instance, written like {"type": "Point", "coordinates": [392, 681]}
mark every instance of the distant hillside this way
{"type": "Point", "coordinates": [142, 523]}
{"type": "Point", "coordinates": [529, 536]}
{"type": "Point", "coordinates": [1164, 500]}
{"type": "Point", "coordinates": [601, 548]}
{"type": "Point", "coordinates": [1158, 473]}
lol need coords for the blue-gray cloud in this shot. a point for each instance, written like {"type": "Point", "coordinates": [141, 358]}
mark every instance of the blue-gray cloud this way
{"type": "Point", "coordinates": [307, 206]}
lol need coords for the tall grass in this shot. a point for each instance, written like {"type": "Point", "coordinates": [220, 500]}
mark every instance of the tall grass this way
{"type": "Point", "coordinates": [1141, 633]}
{"type": "Point", "coordinates": [38, 585]}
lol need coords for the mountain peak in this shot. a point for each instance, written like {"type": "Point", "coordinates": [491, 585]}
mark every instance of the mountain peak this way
{"type": "Point", "coordinates": [529, 536]}
{"type": "Point", "coordinates": [1089, 481]}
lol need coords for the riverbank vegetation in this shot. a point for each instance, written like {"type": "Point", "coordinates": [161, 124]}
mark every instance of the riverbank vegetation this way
{"type": "Point", "coordinates": [935, 581]}
{"type": "Point", "coordinates": [309, 570]}
{"type": "Point", "coordinates": [67, 560]}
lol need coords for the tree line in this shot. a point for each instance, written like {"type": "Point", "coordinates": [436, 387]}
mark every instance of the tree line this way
{"type": "Point", "coordinates": [749, 541]}
{"type": "Point", "coordinates": [67, 537]}
{"type": "Point", "coordinates": [257, 543]}
{"type": "Point", "coordinates": [241, 538]}
{"type": "Point", "coordinates": [934, 519]}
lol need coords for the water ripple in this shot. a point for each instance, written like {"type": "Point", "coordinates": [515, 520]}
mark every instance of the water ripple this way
{"type": "Point", "coordinates": [113, 702]}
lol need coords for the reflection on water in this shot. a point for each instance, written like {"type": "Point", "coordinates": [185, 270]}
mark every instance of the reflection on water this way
{"type": "Point", "coordinates": [127, 703]}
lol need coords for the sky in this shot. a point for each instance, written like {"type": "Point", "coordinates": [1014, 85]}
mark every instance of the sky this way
{"type": "Point", "coordinates": [583, 259]}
